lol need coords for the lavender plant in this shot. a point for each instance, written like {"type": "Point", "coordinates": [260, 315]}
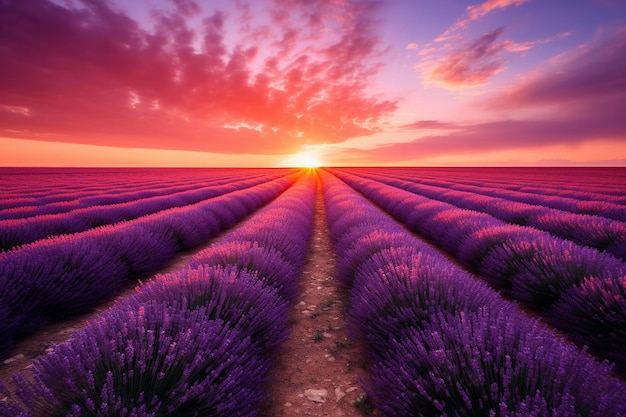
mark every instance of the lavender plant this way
{"type": "Point", "coordinates": [593, 313]}
{"type": "Point", "coordinates": [269, 265]}
{"type": "Point", "coordinates": [237, 297]}
{"type": "Point", "coordinates": [70, 274]}
{"type": "Point", "coordinates": [155, 360]}
{"type": "Point", "coordinates": [441, 344]}
{"type": "Point", "coordinates": [482, 363]}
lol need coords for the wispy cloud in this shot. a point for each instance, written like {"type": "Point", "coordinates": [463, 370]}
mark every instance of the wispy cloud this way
{"type": "Point", "coordinates": [587, 88]}
{"type": "Point", "coordinates": [88, 73]}
{"type": "Point", "coordinates": [507, 135]}
{"type": "Point", "coordinates": [480, 10]}
{"type": "Point", "coordinates": [595, 70]}
{"type": "Point", "coordinates": [474, 63]}
{"type": "Point", "coordinates": [475, 12]}
{"type": "Point", "coordinates": [432, 125]}
{"type": "Point", "coordinates": [470, 66]}
{"type": "Point", "coordinates": [454, 62]}
{"type": "Point", "coordinates": [187, 7]}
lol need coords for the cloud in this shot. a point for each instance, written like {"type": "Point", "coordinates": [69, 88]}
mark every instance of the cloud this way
{"type": "Point", "coordinates": [577, 99]}
{"type": "Point", "coordinates": [187, 7]}
{"type": "Point", "coordinates": [593, 71]}
{"type": "Point", "coordinates": [506, 135]}
{"type": "Point", "coordinates": [473, 63]}
{"type": "Point", "coordinates": [91, 74]}
{"type": "Point", "coordinates": [470, 66]}
{"type": "Point", "coordinates": [431, 125]}
{"type": "Point", "coordinates": [477, 11]}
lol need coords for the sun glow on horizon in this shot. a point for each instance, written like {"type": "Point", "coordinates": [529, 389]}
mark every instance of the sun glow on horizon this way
{"type": "Point", "coordinates": [302, 160]}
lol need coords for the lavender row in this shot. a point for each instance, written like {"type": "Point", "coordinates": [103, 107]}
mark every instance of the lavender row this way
{"type": "Point", "coordinates": [66, 188]}
{"type": "Point", "coordinates": [441, 342]}
{"type": "Point", "coordinates": [578, 289]}
{"type": "Point", "coordinates": [603, 184]}
{"type": "Point", "coordinates": [76, 198]}
{"type": "Point", "coordinates": [72, 200]}
{"type": "Point", "coordinates": [21, 231]}
{"type": "Point", "coordinates": [34, 188]}
{"type": "Point", "coordinates": [48, 181]}
{"type": "Point", "coordinates": [607, 209]}
{"type": "Point", "coordinates": [69, 190]}
{"type": "Point", "coordinates": [588, 230]}
{"type": "Point", "coordinates": [281, 231]}
{"type": "Point", "coordinates": [199, 341]}
{"type": "Point", "coordinates": [70, 274]}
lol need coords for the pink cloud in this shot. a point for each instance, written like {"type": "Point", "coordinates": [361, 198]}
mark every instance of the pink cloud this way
{"type": "Point", "coordinates": [432, 125]}
{"type": "Point", "coordinates": [474, 63]}
{"type": "Point", "coordinates": [475, 12]}
{"type": "Point", "coordinates": [471, 66]}
{"type": "Point", "coordinates": [479, 10]}
{"type": "Point", "coordinates": [586, 92]}
{"type": "Point", "coordinates": [605, 123]}
{"type": "Point", "coordinates": [91, 74]}
{"type": "Point", "coordinates": [187, 7]}
{"type": "Point", "coordinates": [595, 70]}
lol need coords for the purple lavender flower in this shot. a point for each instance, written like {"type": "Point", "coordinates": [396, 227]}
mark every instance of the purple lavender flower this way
{"type": "Point", "coordinates": [483, 363]}
{"type": "Point", "coordinates": [593, 313]}
{"type": "Point", "coordinates": [267, 264]}
{"type": "Point", "coordinates": [153, 360]}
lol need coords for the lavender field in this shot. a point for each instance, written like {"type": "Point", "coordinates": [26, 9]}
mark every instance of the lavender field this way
{"type": "Point", "coordinates": [470, 292]}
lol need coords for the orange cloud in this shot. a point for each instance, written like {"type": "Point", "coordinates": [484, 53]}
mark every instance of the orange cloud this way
{"type": "Point", "coordinates": [479, 10]}
{"type": "Point", "coordinates": [475, 12]}
{"type": "Point", "coordinates": [474, 63]}
{"type": "Point", "coordinates": [471, 66]}
{"type": "Point", "coordinates": [91, 74]}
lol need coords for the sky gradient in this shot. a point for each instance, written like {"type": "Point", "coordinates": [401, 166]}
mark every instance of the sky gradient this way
{"type": "Point", "coordinates": [267, 82]}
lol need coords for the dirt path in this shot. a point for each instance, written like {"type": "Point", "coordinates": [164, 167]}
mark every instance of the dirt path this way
{"type": "Point", "coordinates": [318, 370]}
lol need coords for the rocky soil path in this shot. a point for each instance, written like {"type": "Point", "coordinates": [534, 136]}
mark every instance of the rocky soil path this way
{"type": "Point", "coordinates": [318, 370]}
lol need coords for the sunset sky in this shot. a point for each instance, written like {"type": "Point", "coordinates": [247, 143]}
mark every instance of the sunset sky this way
{"type": "Point", "coordinates": [283, 82]}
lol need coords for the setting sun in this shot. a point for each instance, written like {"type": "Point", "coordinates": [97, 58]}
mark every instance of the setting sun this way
{"type": "Point", "coordinates": [302, 160]}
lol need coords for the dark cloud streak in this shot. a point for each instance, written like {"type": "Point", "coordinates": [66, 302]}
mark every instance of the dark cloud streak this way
{"type": "Point", "coordinates": [501, 136]}
{"type": "Point", "coordinates": [596, 69]}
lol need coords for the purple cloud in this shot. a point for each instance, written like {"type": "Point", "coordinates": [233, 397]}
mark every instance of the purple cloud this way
{"type": "Point", "coordinates": [596, 69]}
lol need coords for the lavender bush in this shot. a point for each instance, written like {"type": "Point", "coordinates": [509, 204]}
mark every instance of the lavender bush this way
{"type": "Point", "coordinates": [400, 288]}
{"type": "Point", "coordinates": [268, 264]}
{"type": "Point", "coordinates": [198, 341]}
{"type": "Point", "coordinates": [26, 230]}
{"type": "Point", "coordinates": [441, 343]}
{"type": "Point", "coordinates": [71, 274]}
{"type": "Point", "coordinates": [149, 360]}
{"type": "Point", "coordinates": [539, 270]}
{"type": "Point", "coordinates": [523, 262]}
{"type": "Point", "coordinates": [238, 298]}
{"type": "Point", "coordinates": [593, 313]}
{"type": "Point", "coordinates": [482, 363]}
